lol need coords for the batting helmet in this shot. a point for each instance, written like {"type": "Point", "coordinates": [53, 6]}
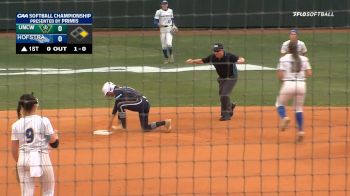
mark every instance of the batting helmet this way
{"type": "Point", "coordinates": [108, 87]}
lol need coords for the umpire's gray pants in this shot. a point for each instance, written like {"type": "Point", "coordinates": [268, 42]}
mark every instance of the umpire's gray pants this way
{"type": "Point", "coordinates": [226, 86]}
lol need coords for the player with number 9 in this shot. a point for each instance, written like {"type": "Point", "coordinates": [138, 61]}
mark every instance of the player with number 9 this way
{"type": "Point", "coordinates": [31, 136]}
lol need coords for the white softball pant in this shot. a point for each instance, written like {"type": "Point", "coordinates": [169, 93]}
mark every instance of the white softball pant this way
{"type": "Point", "coordinates": [47, 179]}
{"type": "Point", "coordinates": [295, 90]}
{"type": "Point", "coordinates": [166, 38]}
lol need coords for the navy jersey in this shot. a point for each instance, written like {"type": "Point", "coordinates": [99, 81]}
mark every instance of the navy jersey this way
{"type": "Point", "coordinates": [125, 94]}
{"type": "Point", "coordinates": [226, 66]}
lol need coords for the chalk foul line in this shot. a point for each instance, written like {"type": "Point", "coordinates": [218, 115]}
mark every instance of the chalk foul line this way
{"type": "Point", "coordinates": [132, 69]}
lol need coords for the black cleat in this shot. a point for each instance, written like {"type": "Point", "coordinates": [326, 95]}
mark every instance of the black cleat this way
{"type": "Point", "coordinates": [225, 118]}
{"type": "Point", "coordinates": [233, 105]}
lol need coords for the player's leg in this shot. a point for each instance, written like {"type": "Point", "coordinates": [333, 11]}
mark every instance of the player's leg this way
{"type": "Point", "coordinates": [143, 115]}
{"type": "Point", "coordinates": [298, 104]}
{"type": "Point", "coordinates": [27, 183]}
{"type": "Point", "coordinates": [47, 180]}
{"type": "Point", "coordinates": [226, 86]}
{"type": "Point", "coordinates": [164, 45]}
{"type": "Point", "coordinates": [169, 42]}
{"type": "Point", "coordinates": [285, 94]}
{"type": "Point", "coordinates": [127, 105]}
{"type": "Point", "coordinates": [121, 113]}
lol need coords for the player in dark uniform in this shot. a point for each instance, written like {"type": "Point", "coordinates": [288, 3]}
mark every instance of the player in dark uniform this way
{"type": "Point", "coordinates": [225, 65]}
{"type": "Point", "coordinates": [127, 98]}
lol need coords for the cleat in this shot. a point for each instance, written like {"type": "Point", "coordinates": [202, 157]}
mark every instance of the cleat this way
{"type": "Point", "coordinates": [232, 109]}
{"type": "Point", "coordinates": [300, 136]}
{"type": "Point", "coordinates": [284, 123]}
{"type": "Point", "coordinates": [167, 125]}
{"type": "Point", "coordinates": [166, 61]}
{"type": "Point", "coordinates": [118, 128]}
{"type": "Point", "coordinates": [225, 118]}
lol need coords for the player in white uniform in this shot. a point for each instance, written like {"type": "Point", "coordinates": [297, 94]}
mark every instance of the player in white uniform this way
{"type": "Point", "coordinates": [293, 37]}
{"type": "Point", "coordinates": [31, 135]}
{"type": "Point", "coordinates": [164, 19]}
{"type": "Point", "coordinates": [292, 70]}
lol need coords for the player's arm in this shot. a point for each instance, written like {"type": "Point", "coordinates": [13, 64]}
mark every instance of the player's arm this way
{"type": "Point", "coordinates": [54, 142]}
{"type": "Point", "coordinates": [172, 18]}
{"type": "Point", "coordinates": [118, 98]}
{"type": "Point", "coordinates": [240, 60]}
{"type": "Point", "coordinates": [280, 75]}
{"type": "Point", "coordinates": [50, 134]}
{"type": "Point", "coordinates": [284, 49]}
{"type": "Point", "coordinates": [304, 50]}
{"type": "Point", "coordinates": [14, 143]}
{"type": "Point", "coordinates": [308, 71]}
{"type": "Point", "coordinates": [110, 122]}
{"type": "Point", "coordinates": [14, 149]}
{"type": "Point", "coordinates": [194, 61]}
{"type": "Point", "coordinates": [156, 19]}
{"type": "Point", "coordinates": [280, 70]}
{"type": "Point", "coordinates": [156, 22]}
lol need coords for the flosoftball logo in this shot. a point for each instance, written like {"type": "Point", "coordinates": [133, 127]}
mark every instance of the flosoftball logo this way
{"type": "Point", "coordinates": [313, 14]}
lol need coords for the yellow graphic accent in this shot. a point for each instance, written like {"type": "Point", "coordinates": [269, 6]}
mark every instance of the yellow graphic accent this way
{"type": "Point", "coordinates": [84, 34]}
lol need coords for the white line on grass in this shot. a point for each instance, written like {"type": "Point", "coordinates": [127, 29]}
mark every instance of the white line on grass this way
{"type": "Point", "coordinates": [133, 69]}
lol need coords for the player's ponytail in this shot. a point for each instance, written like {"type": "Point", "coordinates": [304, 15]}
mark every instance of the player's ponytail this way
{"type": "Point", "coordinates": [293, 49]}
{"type": "Point", "coordinates": [19, 110]}
{"type": "Point", "coordinates": [26, 102]}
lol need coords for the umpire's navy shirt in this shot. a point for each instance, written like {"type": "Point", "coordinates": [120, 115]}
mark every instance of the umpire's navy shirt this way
{"type": "Point", "coordinates": [226, 66]}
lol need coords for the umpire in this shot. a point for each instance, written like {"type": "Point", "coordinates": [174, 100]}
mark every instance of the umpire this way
{"type": "Point", "coordinates": [225, 65]}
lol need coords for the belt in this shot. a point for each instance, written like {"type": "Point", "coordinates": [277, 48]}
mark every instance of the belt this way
{"type": "Point", "coordinates": [233, 76]}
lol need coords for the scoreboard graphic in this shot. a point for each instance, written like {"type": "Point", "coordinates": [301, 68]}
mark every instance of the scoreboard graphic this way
{"type": "Point", "coordinates": [53, 33]}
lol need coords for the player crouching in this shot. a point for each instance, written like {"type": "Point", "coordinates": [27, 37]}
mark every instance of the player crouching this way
{"type": "Point", "coordinates": [127, 98]}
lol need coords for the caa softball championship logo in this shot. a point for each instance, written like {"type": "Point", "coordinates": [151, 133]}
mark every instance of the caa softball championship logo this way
{"type": "Point", "coordinates": [313, 14]}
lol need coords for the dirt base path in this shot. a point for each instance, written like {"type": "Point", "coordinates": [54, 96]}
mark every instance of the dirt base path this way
{"type": "Point", "coordinates": [244, 156]}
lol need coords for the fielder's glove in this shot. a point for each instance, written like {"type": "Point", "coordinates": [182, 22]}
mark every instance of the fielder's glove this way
{"type": "Point", "coordinates": [174, 29]}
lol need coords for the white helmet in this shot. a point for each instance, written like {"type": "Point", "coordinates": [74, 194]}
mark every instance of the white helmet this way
{"type": "Point", "coordinates": [108, 87]}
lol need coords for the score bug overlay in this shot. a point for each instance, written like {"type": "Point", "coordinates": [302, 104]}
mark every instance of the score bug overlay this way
{"type": "Point", "coordinates": [54, 33]}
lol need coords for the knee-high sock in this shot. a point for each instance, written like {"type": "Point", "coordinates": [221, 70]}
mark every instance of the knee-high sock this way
{"type": "Point", "coordinates": [165, 53]}
{"type": "Point", "coordinates": [300, 120]}
{"type": "Point", "coordinates": [170, 49]}
{"type": "Point", "coordinates": [281, 111]}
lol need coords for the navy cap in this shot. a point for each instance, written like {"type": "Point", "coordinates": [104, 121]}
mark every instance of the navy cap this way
{"type": "Point", "coordinates": [294, 31]}
{"type": "Point", "coordinates": [217, 47]}
{"type": "Point", "coordinates": [164, 2]}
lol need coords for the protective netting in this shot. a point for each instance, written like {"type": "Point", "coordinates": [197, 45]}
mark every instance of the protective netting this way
{"type": "Point", "coordinates": [202, 155]}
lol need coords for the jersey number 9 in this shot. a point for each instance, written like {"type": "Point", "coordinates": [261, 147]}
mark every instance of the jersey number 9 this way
{"type": "Point", "coordinates": [30, 135]}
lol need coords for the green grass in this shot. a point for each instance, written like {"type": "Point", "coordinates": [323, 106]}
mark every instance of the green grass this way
{"type": "Point", "coordinates": [329, 54]}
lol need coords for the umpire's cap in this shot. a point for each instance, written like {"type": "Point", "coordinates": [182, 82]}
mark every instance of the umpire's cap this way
{"type": "Point", "coordinates": [217, 47]}
{"type": "Point", "coordinates": [108, 87]}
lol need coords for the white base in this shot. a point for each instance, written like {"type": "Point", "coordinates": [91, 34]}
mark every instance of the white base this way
{"type": "Point", "coordinates": [103, 132]}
